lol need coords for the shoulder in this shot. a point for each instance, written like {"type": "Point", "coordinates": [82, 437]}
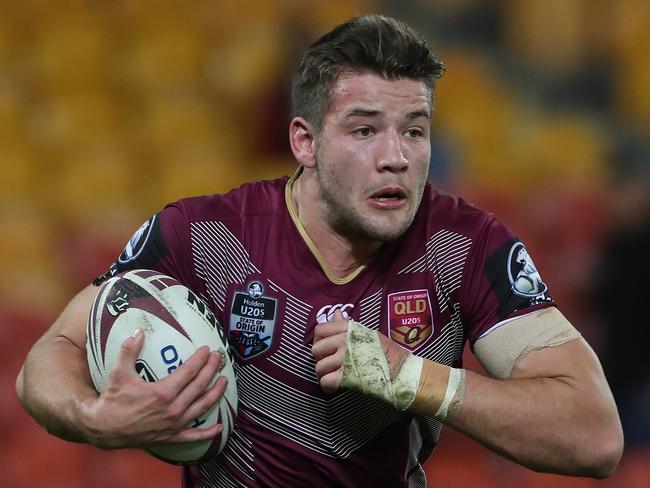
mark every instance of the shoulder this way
{"type": "Point", "coordinates": [440, 210]}
{"type": "Point", "coordinates": [249, 200]}
{"type": "Point", "coordinates": [452, 226]}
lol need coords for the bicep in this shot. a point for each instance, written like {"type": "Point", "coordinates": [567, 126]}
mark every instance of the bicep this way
{"type": "Point", "coordinates": [573, 360]}
{"type": "Point", "coordinates": [64, 341]}
{"type": "Point", "coordinates": [544, 346]}
{"type": "Point", "coordinates": [505, 347]}
{"type": "Point", "coordinates": [71, 324]}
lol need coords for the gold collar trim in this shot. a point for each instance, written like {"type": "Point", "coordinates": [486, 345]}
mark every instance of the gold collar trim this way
{"type": "Point", "coordinates": [310, 244]}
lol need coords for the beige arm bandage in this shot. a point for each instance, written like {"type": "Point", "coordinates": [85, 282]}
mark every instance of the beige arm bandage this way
{"type": "Point", "coordinates": [501, 348]}
{"type": "Point", "coordinates": [366, 369]}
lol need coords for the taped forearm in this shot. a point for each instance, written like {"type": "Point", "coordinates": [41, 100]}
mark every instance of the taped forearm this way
{"type": "Point", "coordinates": [399, 378]}
{"type": "Point", "coordinates": [441, 391]}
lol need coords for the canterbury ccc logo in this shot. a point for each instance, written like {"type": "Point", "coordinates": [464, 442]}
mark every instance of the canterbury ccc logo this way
{"type": "Point", "coordinates": [326, 314]}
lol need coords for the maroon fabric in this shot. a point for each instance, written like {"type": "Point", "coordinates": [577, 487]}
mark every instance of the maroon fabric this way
{"type": "Point", "coordinates": [443, 282]}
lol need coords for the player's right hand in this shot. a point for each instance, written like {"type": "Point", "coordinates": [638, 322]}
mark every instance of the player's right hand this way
{"type": "Point", "coordinates": [131, 412]}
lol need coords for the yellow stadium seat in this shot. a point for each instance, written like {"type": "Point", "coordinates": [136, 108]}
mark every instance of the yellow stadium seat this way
{"type": "Point", "coordinates": [630, 24]}
{"type": "Point", "coordinates": [72, 118]}
{"type": "Point", "coordinates": [551, 38]}
{"type": "Point", "coordinates": [198, 171]}
{"type": "Point", "coordinates": [162, 56]}
{"type": "Point", "coordinates": [19, 171]}
{"type": "Point", "coordinates": [92, 181]}
{"type": "Point", "coordinates": [70, 48]}
{"type": "Point", "coordinates": [168, 120]}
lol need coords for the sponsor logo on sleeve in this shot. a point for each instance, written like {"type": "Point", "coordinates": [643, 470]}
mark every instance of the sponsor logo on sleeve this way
{"type": "Point", "coordinates": [514, 279]}
{"type": "Point", "coordinates": [252, 320]}
{"type": "Point", "coordinates": [522, 273]}
{"type": "Point", "coordinates": [137, 242]}
{"type": "Point", "coordinates": [410, 321]}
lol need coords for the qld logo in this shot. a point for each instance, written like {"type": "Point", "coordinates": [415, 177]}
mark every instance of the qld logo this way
{"type": "Point", "coordinates": [524, 278]}
{"type": "Point", "coordinates": [410, 320]}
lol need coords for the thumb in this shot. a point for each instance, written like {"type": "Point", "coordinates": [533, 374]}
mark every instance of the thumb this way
{"type": "Point", "coordinates": [131, 347]}
{"type": "Point", "coordinates": [338, 315]}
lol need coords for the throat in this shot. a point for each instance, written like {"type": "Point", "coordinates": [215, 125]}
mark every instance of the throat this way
{"type": "Point", "coordinates": [343, 262]}
{"type": "Point", "coordinates": [340, 256]}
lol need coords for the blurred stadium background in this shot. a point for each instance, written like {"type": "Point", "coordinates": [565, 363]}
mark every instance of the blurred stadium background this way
{"type": "Point", "coordinates": [109, 109]}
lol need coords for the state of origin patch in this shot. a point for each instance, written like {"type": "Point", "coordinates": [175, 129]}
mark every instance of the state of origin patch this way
{"type": "Point", "coordinates": [410, 320]}
{"type": "Point", "coordinates": [252, 321]}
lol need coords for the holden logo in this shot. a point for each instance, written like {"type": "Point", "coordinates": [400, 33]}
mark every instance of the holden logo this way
{"type": "Point", "coordinates": [137, 242]}
{"type": "Point", "coordinates": [524, 277]}
{"type": "Point", "coordinates": [255, 289]}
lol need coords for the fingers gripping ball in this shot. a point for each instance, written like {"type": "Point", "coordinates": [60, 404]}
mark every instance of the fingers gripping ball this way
{"type": "Point", "coordinates": [175, 323]}
{"type": "Point", "coordinates": [366, 369]}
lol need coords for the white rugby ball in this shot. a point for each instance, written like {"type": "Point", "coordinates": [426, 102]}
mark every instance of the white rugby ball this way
{"type": "Point", "coordinates": [175, 322]}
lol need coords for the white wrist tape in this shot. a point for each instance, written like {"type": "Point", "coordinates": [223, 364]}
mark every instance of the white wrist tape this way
{"type": "Point", "coordinates": [366, 369]}
{"type": "Point", "coordinates": [454, 382]}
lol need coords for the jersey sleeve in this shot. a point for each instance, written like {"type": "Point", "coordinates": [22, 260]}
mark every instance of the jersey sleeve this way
{"type": "Point", "coordinates": [161, 243]}
{"type": "Point", "coordinates": [501, 281]}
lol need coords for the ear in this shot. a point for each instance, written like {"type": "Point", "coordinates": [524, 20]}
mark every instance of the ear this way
{"type": "Point", "coordinates": [303, 144]}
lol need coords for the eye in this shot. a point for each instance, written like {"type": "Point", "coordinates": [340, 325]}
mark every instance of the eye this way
{"type": "Point", "coordinates": [415, 132]}
{"type": "Point", "coordinates": [363, 132]}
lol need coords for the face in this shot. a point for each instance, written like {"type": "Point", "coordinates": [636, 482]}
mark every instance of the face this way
{"type": "Point", "coordinates": [373, 155]}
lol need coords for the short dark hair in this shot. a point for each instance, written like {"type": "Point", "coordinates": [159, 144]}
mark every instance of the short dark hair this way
{"type": "Point", "coordinates": [372, 43]}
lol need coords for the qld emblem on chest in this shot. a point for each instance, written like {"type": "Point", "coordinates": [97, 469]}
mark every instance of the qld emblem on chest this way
{"type": "Point", "coordinates": [410, 321]}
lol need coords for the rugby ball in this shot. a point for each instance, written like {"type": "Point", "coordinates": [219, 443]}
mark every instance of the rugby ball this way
{"type": "Point", "coordinates": [175, 322]}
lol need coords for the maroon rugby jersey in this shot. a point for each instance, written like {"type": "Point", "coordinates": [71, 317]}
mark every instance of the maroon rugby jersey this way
{"type": "Point", "coordinates": [454, 275]}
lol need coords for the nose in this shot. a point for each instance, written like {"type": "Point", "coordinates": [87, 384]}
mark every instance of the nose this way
{"type": "Point", "coordinates": [391, 155]}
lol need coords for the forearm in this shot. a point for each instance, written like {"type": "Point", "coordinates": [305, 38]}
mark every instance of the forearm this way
{"type": "Point", "coordinates": [541, 423]}
{"type": "Point", "coordinates": [552, 424]}
{"type": "Point", "coordinates": [555, 412]}
{"type": "Point", "coordinates": [49, 387]}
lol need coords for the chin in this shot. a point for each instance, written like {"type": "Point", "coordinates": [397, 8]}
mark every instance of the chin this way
{"type": "Point", "coordinates": [375, 228]}
{"type": "Point", "coordinates": [386, 232]}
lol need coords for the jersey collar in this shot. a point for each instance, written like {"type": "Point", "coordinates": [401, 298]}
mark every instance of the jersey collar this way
{"type": "Point", "coordinates": [310, 244]}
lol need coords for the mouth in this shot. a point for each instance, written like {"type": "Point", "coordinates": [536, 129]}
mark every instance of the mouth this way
{"type": "Point", "coordinates": [388, 197]}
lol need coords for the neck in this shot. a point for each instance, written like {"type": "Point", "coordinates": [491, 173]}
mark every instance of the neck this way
{"type": "Point", "coordinates": [343, 254]}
